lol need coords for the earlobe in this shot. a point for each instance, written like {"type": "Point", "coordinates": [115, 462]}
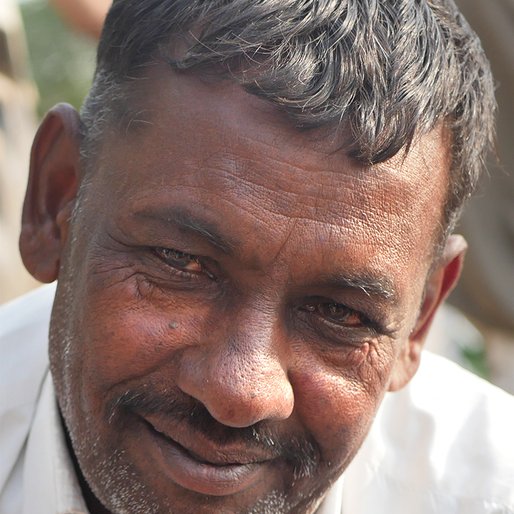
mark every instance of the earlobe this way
{"type": "Point", "coordinates": [439, 285]}
{"type": "Point", "coordinates": [51, 192]}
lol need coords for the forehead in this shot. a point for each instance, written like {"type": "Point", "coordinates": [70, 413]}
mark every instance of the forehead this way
{"type": "Point", "coordinates": [232, 158]}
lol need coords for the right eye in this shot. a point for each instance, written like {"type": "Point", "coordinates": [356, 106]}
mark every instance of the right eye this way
{"type": "Point", "coordinates": [337, 314]}
{"type": "Point", "coordinates": [182, 262]}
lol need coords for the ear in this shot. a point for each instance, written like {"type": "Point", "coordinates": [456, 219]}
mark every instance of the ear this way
{"type": "Point", "coordinates": [439, 285]}
{"type": "Point", "coordinates": [51, 192]}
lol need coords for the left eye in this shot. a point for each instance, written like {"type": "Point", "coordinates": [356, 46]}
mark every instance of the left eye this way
{"type": "Point", "coordinates": [336, 313]}
{"type": "Point", "coordinates": [180, 260]}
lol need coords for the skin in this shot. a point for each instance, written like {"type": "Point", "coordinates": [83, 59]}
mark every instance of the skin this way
{"type": "Point", "coordinates": [237, 285]}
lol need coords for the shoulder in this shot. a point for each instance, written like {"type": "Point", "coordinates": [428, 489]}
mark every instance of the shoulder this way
{"type": "Point", "coordinates": [467, 413]}
{"type": "Point", "coordinates": [443, 444]}
{"type": "Point", "coordinates": [23, 366]}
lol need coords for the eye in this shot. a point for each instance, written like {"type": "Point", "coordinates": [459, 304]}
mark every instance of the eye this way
{"type": "Point", "coordinates": [337, 313]}
{"type": "Point", "coordinates": [181, 261]}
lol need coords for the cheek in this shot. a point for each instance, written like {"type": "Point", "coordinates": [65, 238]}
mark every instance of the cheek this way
{"type": "Point", "coordinates": [338, 408]}
{"type": "Point", "coordinates": [126, 333]}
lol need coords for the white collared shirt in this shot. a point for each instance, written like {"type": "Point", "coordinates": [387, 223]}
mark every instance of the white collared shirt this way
{"type": "Point", "coordinates": [442, 445]}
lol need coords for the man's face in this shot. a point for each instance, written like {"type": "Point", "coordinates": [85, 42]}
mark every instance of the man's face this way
{"type": "Point", "coordinates": [235, 298]}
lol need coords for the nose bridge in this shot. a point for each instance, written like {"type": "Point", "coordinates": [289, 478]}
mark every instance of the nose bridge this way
{"type": "Point", "coordinates": [240, 372]}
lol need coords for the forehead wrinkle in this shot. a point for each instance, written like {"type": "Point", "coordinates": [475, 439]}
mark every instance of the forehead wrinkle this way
{"type": "Point", "coordinates": [293, 196]}
{"type": "Point", "coordinates": [324, 185]}
{"type": "Point", "coordinates": [184, 219]}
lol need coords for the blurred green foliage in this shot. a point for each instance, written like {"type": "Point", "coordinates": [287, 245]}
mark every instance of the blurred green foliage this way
{"type": "Point", "coordinates": [62, 61]}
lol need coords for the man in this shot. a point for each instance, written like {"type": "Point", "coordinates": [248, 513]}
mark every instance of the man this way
{"type": "Point", "coordinates": [251, 227]}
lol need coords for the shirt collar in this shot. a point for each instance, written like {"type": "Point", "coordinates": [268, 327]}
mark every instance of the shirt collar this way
{"type": "Point", "coordinates": [49, 478]}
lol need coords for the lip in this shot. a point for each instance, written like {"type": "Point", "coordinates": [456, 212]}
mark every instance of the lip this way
{"type": "Point", "coordinates": [204, 470]}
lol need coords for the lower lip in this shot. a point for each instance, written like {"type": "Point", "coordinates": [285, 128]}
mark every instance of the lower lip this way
{"type": "Point", "coordinates": [201, 477]}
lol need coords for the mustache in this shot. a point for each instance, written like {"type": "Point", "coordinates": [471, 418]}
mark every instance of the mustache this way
{"type": "Point", "coordinates": [300, 452]}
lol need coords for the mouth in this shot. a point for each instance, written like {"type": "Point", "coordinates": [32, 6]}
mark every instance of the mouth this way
{"type": "Point", "coordinates": [204, 470]}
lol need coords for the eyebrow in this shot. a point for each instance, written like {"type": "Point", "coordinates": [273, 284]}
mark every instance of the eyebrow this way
{"type": "Point", "coordinates": [185, 220]}
{"type": "Point", "coordinates": [370, 284]}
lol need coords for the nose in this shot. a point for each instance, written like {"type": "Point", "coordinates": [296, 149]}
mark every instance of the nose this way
{"type": "Point", "coordinates": [239, 373]}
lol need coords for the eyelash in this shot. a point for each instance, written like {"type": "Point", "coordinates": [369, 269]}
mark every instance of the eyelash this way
{"type": "Point", "coordinates": [365, 323]}
{"type": "Point", "coordinates": [168, 255]}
